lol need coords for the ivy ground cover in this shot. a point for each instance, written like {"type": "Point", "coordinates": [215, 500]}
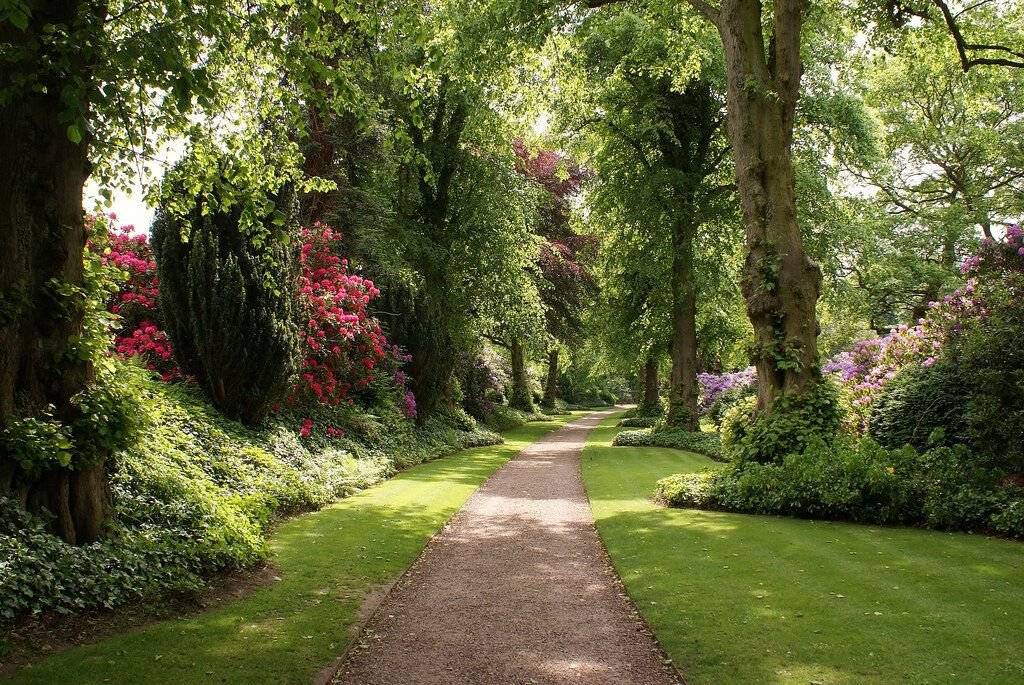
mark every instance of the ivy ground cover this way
{"type": "Point", "coordinates": [736, 598]}
{"type": "Point", "coordinates": [327, 562]}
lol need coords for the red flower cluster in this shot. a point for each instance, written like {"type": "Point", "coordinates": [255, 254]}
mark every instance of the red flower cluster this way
{"type": "Point", "coordinates": [343, 344]}
{"type": "Point", "coordinates": [135, 303]}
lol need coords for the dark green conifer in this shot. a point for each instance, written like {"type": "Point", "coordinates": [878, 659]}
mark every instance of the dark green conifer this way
{"type": "Point", "coordinates": [228, 306]}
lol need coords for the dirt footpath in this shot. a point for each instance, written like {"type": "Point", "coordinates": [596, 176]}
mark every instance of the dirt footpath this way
{"type": "Point", "coordinates": [516, 589]}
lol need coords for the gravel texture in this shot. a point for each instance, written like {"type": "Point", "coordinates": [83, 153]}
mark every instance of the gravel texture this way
{"type": "Point", "coordinates": [516, 589]}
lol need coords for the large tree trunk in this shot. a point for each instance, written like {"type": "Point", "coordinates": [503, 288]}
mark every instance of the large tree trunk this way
{"type": "Point", "coordinates": [551, 382]}
{"type": "Point", "coordinates": [652, 386]}
{"type": "Point", "coordinates": [682, 398]}
{"type": "Point", "coordinates": [42, 240]}
{"type": "Point", "coordinates": [781, 284]}
{"type": "Point", "coordinates": [520, 398]}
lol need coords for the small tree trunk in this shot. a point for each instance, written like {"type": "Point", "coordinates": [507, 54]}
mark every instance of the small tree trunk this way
{"type": "Point", "coordinates": [652, 386]}
{"type": "Point", "coordinates": [551, 382]}
{"type": "Point", "coordinates": [781, 284]}
{"type": "Point", "coordinates": [682, 404]}
{"type": "Point", "coordinates": [520, 398]}
{"type": "Point", "coordinates": [42, 243]}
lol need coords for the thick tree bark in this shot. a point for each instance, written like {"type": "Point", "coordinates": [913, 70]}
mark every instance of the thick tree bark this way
{"type": "Point", "coordinates": [781, 284]}
{"type": "Point", "coordinates": [683, 391]}
{"type": "Point", "coordinates": [551, 382]}
{"type": "Point", "coordinates": [42, 241]}
{"type": "Point", "coordinates": [520, 398]}
{"type": "Point", "coordinates": [652, 385]}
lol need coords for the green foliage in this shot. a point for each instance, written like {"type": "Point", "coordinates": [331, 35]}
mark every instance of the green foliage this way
{"type": "Point", "coordinates": [197, 494]}
{"type": "Point", "coordinates": [422, 328]}
{"type": "Point", "coordinates": [736, 420]}
{"type": "Point", "coordinates": [918, 402]}
{"type": "Point", "coordinates": [729, 399]}
{"type": "Point", "coordinates": [707, 444]}
{"type": "Point", "coordinates": [505, 418]}
{"type": "Point", "coordinates": [990, 360]}
{"type": "Point", "coordinates": [228, 305]}
{"type": "Point", "coordinates": [794, 423]}
{"type": "Point", "coordinates": [860, 481]}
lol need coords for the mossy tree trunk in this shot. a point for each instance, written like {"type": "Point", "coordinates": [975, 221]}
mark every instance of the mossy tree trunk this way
{"type": "Point", "coordinates": [42, 243]}
{"type": "Point", "coordinates": [551, 382]}
{"type": "Point", "coordinates": [520, 397]}
{"type": "Point", "coordinates": [781, 283]}
{"type": "Point", "coordinates": [682, 397]}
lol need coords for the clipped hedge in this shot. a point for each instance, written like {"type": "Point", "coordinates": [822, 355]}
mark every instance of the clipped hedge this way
{"type": "Point", "coordinates": [707, 444]}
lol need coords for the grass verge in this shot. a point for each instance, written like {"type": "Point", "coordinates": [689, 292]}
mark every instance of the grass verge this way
{"type": "Point", "coordinates": [327, 562]}
{"type": "Point", "coordinates": [737, 598]}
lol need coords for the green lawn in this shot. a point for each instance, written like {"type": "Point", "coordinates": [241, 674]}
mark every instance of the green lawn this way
{"type": "Point", "coordinates": [755, 599]}
{"type": "Point", "coordinates": [328, 562]}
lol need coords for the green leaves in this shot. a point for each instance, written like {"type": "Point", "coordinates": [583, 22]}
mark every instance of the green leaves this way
{"type": "Point", "coordinates": [16, 12]}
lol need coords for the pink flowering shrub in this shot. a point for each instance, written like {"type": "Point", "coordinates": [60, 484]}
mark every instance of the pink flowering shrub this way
{"type": "Point", "coordinates": [344, 348]}
{"type": "Point", "coordinates": [135, 303]}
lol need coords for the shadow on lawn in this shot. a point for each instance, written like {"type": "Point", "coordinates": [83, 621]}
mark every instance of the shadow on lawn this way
{"type": "Point", "coordinates": [740, 598]}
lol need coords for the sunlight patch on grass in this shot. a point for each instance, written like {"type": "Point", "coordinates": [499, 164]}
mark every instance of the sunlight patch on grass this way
{"type": "Point", "coordinates": [737, 598]}
{"type": "Point", "coordinates": [327, 562]}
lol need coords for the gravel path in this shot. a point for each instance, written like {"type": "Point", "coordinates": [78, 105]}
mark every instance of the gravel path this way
{"type": "Point", "coordinates": [516, 589]}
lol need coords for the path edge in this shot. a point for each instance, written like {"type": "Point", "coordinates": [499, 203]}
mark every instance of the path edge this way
{"type": "Point", "coordinates": [667, 661]}
{"type": "Point", "coordinates": [328, 673]}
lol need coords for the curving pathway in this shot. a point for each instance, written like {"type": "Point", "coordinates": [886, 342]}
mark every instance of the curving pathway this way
{"type": "Point", "coordinates": [515, 589]}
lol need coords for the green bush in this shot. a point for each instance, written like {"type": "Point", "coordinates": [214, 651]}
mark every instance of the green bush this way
{"type": "Point", "coordinates": [695, 490]}
{"type": "Point", "coordinates": [505, 418]}
{"type": "Point", "coordinates": [861, 481]}
{"type": "Point", "coordinates": [197, 493]}
{"type": "Point", "coordinates": [729, 399]}
{"type": "Point", "coordinates": [918, 401]}
{"type": "Point", "coordinates": [677, 438]}
{"type": "Point", "coordinates": [228, 305]}
{"type": "Point", "coordinates": [737, 419]}
{"type": "Point", "coordinates": [1009, 516]}
{"type": "Point", "coordinates": [795, 422]}
{"type": "Point", "coordinates": [990, 358]}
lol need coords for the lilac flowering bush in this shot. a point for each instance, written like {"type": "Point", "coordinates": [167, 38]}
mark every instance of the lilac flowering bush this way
{"type": "Point", "coordinates": [993, 286]}
{"type": "Point", "coordinates": [945, 398]}
{"type": "Point", "coordinates": [713, 385]}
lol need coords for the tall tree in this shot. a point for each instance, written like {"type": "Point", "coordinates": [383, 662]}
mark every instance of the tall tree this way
{"type": "Point", "coordinates": [659, 151]}
{"type": "Point", "coordinates": [567, 286]}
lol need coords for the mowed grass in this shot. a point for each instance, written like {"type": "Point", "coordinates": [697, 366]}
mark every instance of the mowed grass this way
{"type": "Point", "coordinates": [755, 599]}
{"type": "Point", "coordinates": [328, 561]}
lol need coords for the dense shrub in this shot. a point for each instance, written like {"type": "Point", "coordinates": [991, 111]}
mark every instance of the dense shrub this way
{"type": "Point", "coordinates": [344, 350]}
{"type": "Point", "coordinates": [228, 306]}
{"type": "Point", "coordinates": [918, 401]}
{"type": "Point", "coordinates": [678, 438]}
{"type": "Point", "coordinates": [714, 385]}
{"type": "Point", "coordinates": [727, 399]}
{"type": "Point", "coordinates": [794, 423]}
{"type": "Point", "coordinates": [197, 494]}
{"type": "Point", "coordinates": [863, 482]}
{"type": "Point", "coordinates": [481, 386]}
{"type": "Point", "coordinates": [138, 330]}
{"type": "Point", "coordinates": [504, 418]}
